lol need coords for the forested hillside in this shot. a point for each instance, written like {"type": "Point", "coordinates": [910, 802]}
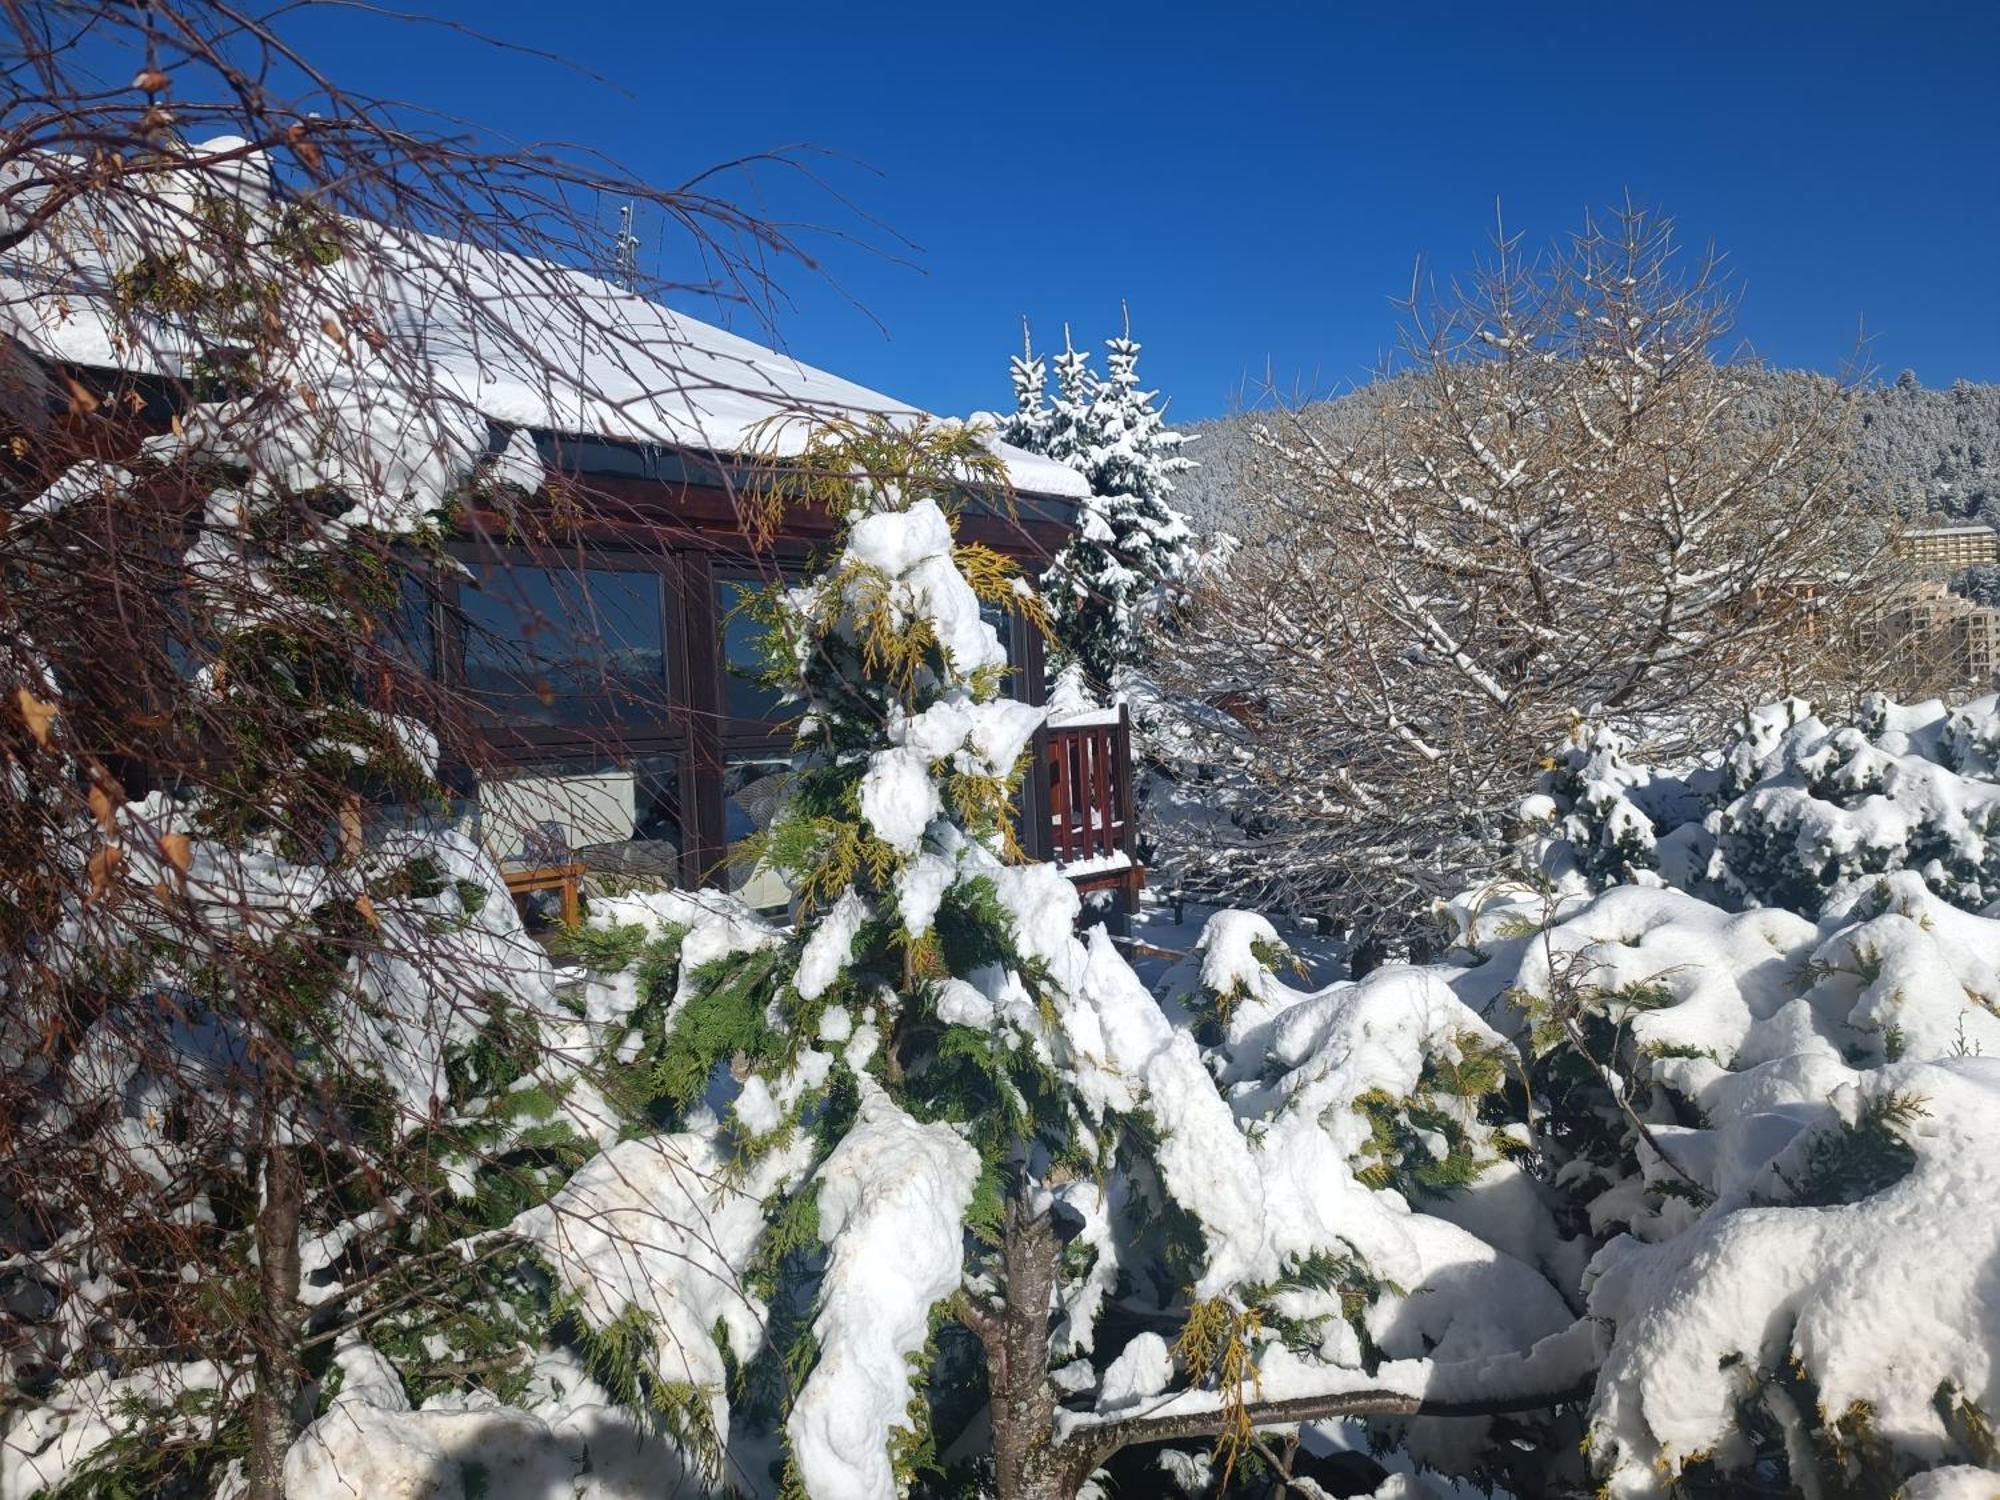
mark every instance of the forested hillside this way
{"type": "Point", "coordinates": [1920, 450]}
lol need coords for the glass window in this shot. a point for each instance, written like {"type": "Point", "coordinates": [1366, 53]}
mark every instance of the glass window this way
{"type": "Point", "coordinates": [581, 455]}
{"type": "Point", "coordinates": [189, 645]}
{"type": "Point", "coordinates": [405, 633]}
{"type": "Point", "coordinates": [568, 647]}
{"type": "Point", "coordinates": [615, 815]}
{"type": "Point", "coordinates": [753, 790]}
{"type": "Point", "coordinates": [1002, 620]}
{"type": "Point", "coordinates": [743, 696]}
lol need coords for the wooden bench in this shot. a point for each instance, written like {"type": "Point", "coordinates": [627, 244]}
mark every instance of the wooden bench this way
{"type": "Point", "coordinates": [561, 878]}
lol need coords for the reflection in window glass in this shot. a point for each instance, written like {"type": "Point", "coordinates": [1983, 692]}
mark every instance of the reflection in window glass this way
{"type": "Point", "coordinates": [616, 816]}
{"type": "Point", "coordinates": [547, 646]}
{"type": "Point", "coordinates": [743, 696]}
{"type": "Point", "coordinates": [405, 634]}
{"type": "Point", "coordinates": [1002, 620]}
{"type": "Point", "coordinates": [575, 455]}
{"type": "Point", "coordinates": [753, 790]}
{"type": "Point", "coordinates": [399, 664]}
{"type": "Point", "coordinates": [188, 646]}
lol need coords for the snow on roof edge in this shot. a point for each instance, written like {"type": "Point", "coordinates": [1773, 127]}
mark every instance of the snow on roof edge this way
{"type": "Point", "coordinates": [481, 320]}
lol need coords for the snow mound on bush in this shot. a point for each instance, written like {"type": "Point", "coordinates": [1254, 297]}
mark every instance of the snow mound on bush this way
{"type": "Point", "coordinates": [892, 1198]}
{"type": "Point", "coordinates": [570, 1442]}
{"type": "Point", "coordinates": [662, 1226]}
{"type": "Point", "coordinates": [1879, 1303]}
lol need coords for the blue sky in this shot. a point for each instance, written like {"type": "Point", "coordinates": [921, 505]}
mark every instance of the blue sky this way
{"type": "Point", "coordinates": [1256, 181]}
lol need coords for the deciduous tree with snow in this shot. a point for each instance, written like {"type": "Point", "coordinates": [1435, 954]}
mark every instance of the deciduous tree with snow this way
{"type": "Point", "coordinates": [274, 1048]}
{"type": "Point", "coordinates": [1565, 498]}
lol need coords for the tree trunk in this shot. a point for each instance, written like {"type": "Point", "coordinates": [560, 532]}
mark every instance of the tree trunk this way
{"type": "Point", "coordinates": [1031, 1465]}
{"type": "Point", "coordinates": [275, 1324]}
{"type": "Point", "coordinates": [1028, 1464]}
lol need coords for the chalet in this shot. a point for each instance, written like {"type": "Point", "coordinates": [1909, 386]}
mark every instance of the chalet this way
{"type": "Point", "coordinates": [607, 672]}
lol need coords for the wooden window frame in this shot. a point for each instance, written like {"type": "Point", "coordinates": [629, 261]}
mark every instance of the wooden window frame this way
{"type": "Point", "coordinates": [696, 728]}
{"type": "Point", "coordinates": [512, 742]}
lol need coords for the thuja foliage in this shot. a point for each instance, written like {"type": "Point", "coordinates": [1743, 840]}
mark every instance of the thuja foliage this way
{"type": "Point", "coordinates": [971, 1139]}
{"type": "Point", "coordinates": [897, 824]}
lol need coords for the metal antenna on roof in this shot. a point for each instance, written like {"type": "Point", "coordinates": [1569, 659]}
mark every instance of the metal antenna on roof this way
{"type": "Point", "coordinates": [625, 250]}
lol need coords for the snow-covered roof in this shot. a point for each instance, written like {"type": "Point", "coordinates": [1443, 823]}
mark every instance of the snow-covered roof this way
{"type": "Point", "coordinates": [648, 373]}
{"type": "Point", "coordinates": [524, 342]}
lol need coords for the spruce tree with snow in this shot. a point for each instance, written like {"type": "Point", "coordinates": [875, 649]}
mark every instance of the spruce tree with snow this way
{"type": "Point", "coordinates": [1027, 425]}
{"type": "Point", "coordinates": [1131, 544]}
{"type": "Point", "coordinates": [1066, 433]}
{"type": "Point", "coordinates": [1758, 1005]}
{"type": "Point", "coordinates": [1135, 453]}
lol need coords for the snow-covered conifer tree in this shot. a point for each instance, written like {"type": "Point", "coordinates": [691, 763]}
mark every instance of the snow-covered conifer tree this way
{"type": "Point", "coordinates": [981, 1216]}
{"type": "Point", "coordinates": [1758, 1007]}
{"type": "Point", "coordinates": [1131, 544]}
{"type": "Point", "coordinates": [1135, 452]}
{"type": "Point", "coordinates": [1066, 435]}
{"type": "Point", "coordinates": [1027, 426]}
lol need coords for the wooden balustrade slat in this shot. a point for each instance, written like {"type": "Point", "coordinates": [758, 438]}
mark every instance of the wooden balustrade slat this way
{"type": "Point", "coordinates": [1059, 772]}
{"type": "Point", "coordinates": [1067, 753]}
{"type": "Point", "coordinates": [1100, 754]}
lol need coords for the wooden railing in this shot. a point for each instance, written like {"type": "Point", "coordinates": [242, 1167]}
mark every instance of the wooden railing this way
{"type": "Point", "coordinates": [1086, 767]}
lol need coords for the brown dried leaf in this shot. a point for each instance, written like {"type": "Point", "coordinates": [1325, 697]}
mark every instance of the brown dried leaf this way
{"type": "Point", "coordinates": [103, 865]}
{"type": "Point", "coordinates": [104, 810]}
{"type": "Point", "coordinates": [179, 851]}
{"type": "Point", "coordinates": [351, 826]}
{"type": "Point", "coordinates": [36, 714]}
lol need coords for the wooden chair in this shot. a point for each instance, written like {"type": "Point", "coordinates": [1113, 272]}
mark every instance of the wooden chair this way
{"type": "Point", "coordinates": [562, 878]}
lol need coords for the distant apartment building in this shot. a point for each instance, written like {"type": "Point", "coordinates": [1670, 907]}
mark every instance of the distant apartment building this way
{"type": "Point", "coordinates": [1949, 547]}
{"type": "Point", "coordinates": [1939, 636]}
{"type": "Point", "coordinates": [1982, 646]}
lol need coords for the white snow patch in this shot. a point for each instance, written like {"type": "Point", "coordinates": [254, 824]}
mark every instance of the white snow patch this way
{"type": "Point", "coordinates": [892, 1197]}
